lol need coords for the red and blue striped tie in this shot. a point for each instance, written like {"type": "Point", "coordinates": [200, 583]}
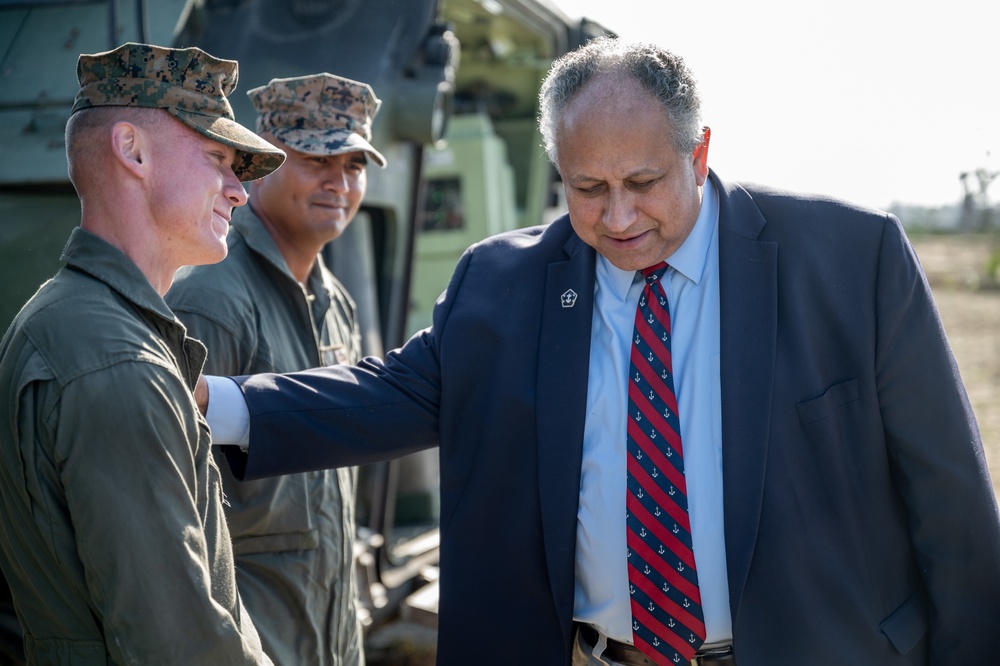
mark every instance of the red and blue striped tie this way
{"type": "Point", "coordinates": [667, 621]}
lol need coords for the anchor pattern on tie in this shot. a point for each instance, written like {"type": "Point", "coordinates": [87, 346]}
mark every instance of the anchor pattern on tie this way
{"type": "Point", "coordinates": [667, 620]}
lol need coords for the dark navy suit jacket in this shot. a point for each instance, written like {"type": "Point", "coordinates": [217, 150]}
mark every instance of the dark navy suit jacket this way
{"type": "Point", "coordinates": [860, 523]}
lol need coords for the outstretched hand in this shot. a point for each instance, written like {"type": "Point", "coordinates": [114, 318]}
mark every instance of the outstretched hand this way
{"type": "Point", "coordinates": [201, 395]}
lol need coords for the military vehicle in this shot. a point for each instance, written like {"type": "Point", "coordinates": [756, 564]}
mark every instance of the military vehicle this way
{"type": "Point", "coordinates": [458, 81]}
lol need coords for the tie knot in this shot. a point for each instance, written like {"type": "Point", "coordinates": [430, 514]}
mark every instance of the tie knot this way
{"type": "Point", "coordinates": [654, 272]}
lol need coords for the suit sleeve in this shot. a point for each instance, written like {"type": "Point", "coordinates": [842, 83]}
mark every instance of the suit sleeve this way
{"type": "Point", "coordinates": [939, 464]}
{"type": "Point", "coordinates": [348, 415]}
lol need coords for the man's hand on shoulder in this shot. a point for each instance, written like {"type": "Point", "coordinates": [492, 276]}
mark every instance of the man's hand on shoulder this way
{"type": "Point", "coordinates": [201, 395]}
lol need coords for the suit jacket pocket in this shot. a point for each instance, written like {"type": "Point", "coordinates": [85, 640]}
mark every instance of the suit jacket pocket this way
{"type": "Point", "coordinates": [835, 397]}
{"type": "Point", "coordinates": [907, 624]}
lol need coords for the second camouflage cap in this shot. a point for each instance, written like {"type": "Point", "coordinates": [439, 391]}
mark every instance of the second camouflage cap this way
{"type": "Point", "coordinates": [319, 114]}
{"type": "Point", "coordinates": [188, 83]}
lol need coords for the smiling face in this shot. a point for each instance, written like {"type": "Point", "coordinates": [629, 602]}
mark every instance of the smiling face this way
{"type": "Point", "coordinates": [631, 194]}
{"type": "Point", "coordinates": [193, 194]}
{"type": "Point", "coordinates": [311, 199]}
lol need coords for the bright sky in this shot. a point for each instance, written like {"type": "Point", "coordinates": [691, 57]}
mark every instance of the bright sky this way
{"type": "Point", "coordinates": [877, 101]}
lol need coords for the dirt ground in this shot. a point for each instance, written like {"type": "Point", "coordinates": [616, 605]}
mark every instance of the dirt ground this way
{"type": "Point", "coordinates": [970, 310]}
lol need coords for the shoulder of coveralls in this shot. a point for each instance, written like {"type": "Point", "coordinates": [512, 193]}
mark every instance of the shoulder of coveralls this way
{"type": "Point", "coordinates": [78, 325]}
{"type": "Point", "coordinates": [221, 291]}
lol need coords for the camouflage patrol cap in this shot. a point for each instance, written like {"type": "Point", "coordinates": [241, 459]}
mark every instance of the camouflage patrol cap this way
{"type": "Point", "coordinates": [188, 83]}
{"type": "Point", "coordinates": [319, 114]}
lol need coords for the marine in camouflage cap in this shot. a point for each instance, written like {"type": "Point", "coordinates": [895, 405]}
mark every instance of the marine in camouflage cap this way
{"type": "Point", "coordinates": [188, 83]}
{"type": "Point", "coordinates": [318, 114]}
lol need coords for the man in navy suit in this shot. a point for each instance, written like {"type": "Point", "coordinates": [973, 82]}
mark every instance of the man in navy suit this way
{"type": "Point", "coordinates": [839, 506]}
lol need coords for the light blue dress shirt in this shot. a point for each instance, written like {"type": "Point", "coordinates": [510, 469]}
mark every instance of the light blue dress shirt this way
{"type": "Point", "coordinates": [692, 287]}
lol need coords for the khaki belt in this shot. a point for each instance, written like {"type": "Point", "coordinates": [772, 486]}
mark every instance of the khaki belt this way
{"type": "Point", "coordinates": [629, 655]}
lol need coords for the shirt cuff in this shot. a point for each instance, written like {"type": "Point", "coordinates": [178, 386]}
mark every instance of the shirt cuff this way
{"type": "Point", "coordinates": [228, 416]}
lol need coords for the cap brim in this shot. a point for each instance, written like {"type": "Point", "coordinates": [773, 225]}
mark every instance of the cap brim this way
{"type": "Point", "coordinates": [255, 157]}
{"type": "Point", "coordinates": [326, 142]}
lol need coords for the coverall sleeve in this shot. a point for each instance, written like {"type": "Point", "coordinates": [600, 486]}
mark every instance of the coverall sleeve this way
{"type": "Point", "coordinates": [133, 466]}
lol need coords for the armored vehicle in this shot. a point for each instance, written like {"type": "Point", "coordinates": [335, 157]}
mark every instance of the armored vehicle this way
{"type": "Point", "coordinates": [458, 81]}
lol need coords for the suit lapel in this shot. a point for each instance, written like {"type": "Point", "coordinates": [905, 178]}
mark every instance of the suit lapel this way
{"type": "Point", "coordinates": [564, 359]}
{"type": "Point", "coordinates": [748, 303]}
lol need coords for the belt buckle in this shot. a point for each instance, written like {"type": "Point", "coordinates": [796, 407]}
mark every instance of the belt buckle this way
{"type": "Point", "coordinates": [718, 652]}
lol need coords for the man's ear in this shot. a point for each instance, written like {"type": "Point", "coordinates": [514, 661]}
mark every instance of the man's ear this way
{"type": "Point", "coordinates": [700, 156]}
{"type": "Point", "coordinates": [129, 147]}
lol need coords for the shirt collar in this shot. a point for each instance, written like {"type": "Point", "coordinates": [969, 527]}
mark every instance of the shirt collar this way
{"type": "Point", "coordinates": [91, 254]}
{"type": "Point", "coordinates": [259, 239]}
{"type": "Point", "coordinates": [251, 227]}
{"type": "Point", "coordinates": [689, 260]}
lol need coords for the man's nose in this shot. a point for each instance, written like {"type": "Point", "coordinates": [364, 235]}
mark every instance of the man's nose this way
{"type": "Point", "coordinates": [620, 211]}
{"type": "Point", "coordinates": [335, 179]}
{"type": "Point", "coordinates": [234, 190]}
